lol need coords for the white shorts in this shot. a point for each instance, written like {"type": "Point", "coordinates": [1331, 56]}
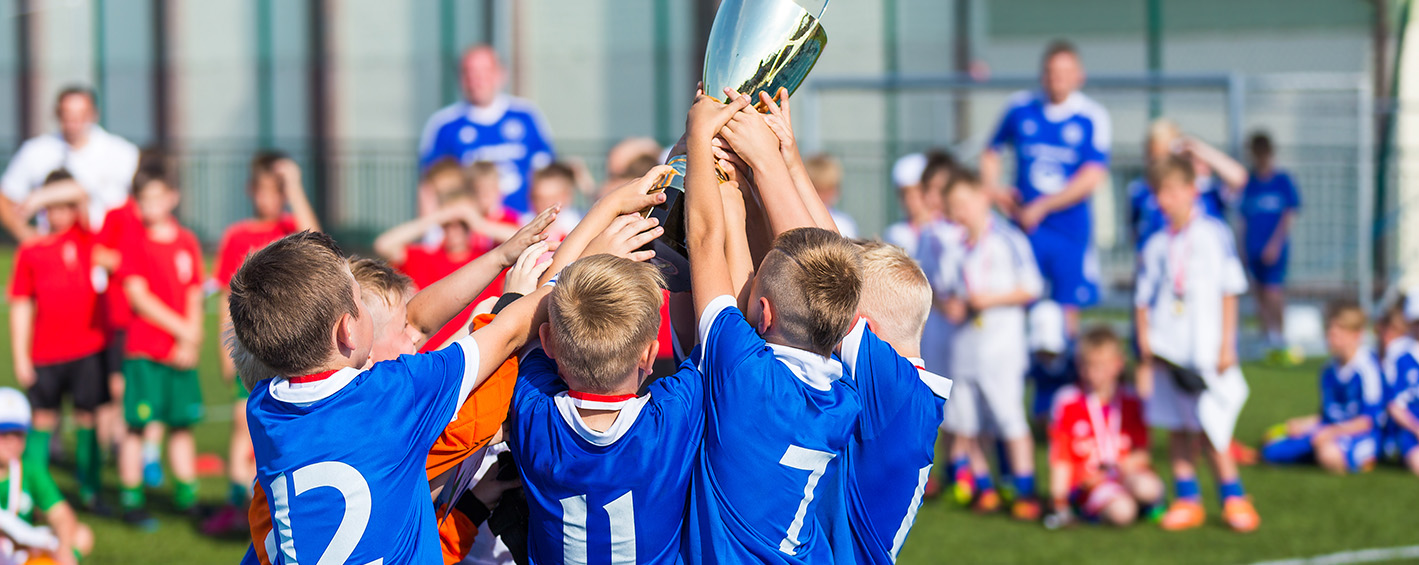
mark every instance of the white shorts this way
{"type": "Point", "coordinates": [1171, 408]}
{"type": "Point", "coordinates": [991, 404]}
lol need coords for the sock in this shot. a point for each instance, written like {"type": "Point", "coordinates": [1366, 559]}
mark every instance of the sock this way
{"type": "Point", "coordinates": [185, 495]}
{"type": "Point", "coordinates": [131, 497]}
{"type": "Point", "coordinates": [957, 465]}
{"type": "Point", "coordinates": [984, 483]}
{"type": "Point", "coordinates": [37, 449]}
{"type": "Point", "coordinates": [1025, 485]}
{"type": "Point", "coordinates": [1186, 489]}
{"type": "Point", "coordinates": [152, 452]}
{"type": "Point", "coordinates": [1287, 450]}
{"type": "Point", "coordinates": [1230, 489]}
{"type": "Point", "coordinates": [239, 494]}
{"type": "Point", "coordinates": [89, 460]}
{"type": "Point", "coordinates": [1006, 473]}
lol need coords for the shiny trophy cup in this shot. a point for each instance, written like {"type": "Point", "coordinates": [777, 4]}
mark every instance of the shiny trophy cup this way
{"type": "Point", "coordinates": [754, 46]}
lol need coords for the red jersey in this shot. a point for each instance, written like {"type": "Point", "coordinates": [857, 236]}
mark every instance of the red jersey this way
{"type": "Point", "coordinates": [172, 269]}
{"type": "Point", "coordinates": [244, 238]}
{"type": "Point", "coordinates": [1091, 436]}
{"type": "Point", "coordinates": [119, 224]}
{"type": "Point", "coordinates": [663, 336]}
{"type": "Point", "coordinates": [56, 273]}
{"type": "Point", "coordinates": [426, 266]}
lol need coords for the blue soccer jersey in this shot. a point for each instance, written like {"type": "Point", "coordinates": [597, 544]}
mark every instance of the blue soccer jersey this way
{"type": "Point", "coordinates": [1146, 218]}
{"type": "Point", "coordinates": [1264, 202]}
{"type": "Point", "coordinates": [613, 496]}
{"type": "Point", "coordinates": [509, 133]}
{"type": "Point", "coordinates": [1401, 373]}
{"type": "Point", "coordinates": [1353, 390]}
{"type": "Point", "coordinates": [1052, 142]}
{"type": "Point", "coordinates": [777, 420]}
{"type": "Point", "coordinates": [342, 456]}
{"type": "Point", "coordinates": [890, 456]}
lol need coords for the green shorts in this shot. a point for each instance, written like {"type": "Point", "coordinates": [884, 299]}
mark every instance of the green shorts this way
{"type": "Point", "coordinates": [241, 392]}
{"type": "Point", "coordinates": [157, 392]}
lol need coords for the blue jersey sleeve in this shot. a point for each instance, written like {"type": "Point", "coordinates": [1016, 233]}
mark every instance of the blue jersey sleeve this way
{"type": "Point", "coordinates": [726, 339]}
{"type": "Point", "coordinates": [1096, 148]}
{"type": "Point", "coordinates": [885, 380]}
{"type": "Point", "coordinates": [437, 379]}
{"type": "Point", "coordinates": [439, 145]}
{"type": "Point", "coordinates": [1329, 395]}
{"type": "Point", "coordinates": [684, 388]}
{"type": "Point", "coordinates": [1005, 132]}
{"type": "Point", "coordinates": [1289, 192]}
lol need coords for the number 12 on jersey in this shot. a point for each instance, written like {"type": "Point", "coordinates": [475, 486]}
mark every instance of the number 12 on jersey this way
{"type": "Point", "coordinates": [816, 462]}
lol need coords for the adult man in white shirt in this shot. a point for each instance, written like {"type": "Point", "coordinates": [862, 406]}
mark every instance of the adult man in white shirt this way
{"type": "Point", "coordinates": [101, 162]}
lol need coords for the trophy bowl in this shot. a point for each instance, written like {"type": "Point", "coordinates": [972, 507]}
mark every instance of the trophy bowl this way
{"type": "Point", "coordinates": [754, 46]}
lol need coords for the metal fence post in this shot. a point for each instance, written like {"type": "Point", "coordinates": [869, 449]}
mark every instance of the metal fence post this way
{"type": "Point", "coordinates": [1236, 108]}
{"type": "Point", "coordinates": [1366, 182]}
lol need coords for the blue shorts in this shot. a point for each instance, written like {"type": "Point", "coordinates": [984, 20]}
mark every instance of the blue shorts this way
{"type": "Point", "coordinates": [1399, 443]}
{"type": "Point", "coordinates": [1360, 450]}
{"type": "Point", "coordinates": [1070, 266]}
{"type": "Point", "coordinates": [1268, 275]}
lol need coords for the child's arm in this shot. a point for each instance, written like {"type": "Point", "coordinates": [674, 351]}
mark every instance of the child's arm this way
{"type": "Point", "coordinates": [301, 210]}
{"type": "Point", "coordinates": [52, 194]}
{"type": "Point", "coordinates": [188, 348]}
{"type": "Point", "coordinates": [1399, 411]}
{"type": "Point", "coordinates": [751, 138]}
{"type": "Point", "coordinates": [631, 197]}
{"type": "Point", "coordinates": [1228, 355]}
{"type": "Point", "coordinates": [440, 302]}
{"type": "Point", "coordinates": [391, 244]}
{"type": "Point", "coordinates": [1357, 425]}
{"type": "Point", "coordinates": [1029, 284]}
{"type": "Point", "coordinates": [704, 205]}
{"type": "Point", "coordinates": [21, 338]}
{"type": "Point", "coordinates": [1061, 475]}
{"type": "Point", "coordinates": [1272, 252]}
{"type": "Point", "coordinates": [780, 120]}
{"type": "Point", "coordinates": [1232, 173]}
{"type": "Point", "coordinates": [61, 519]}
{"type": "Point", "coordinates": [152, 309]}
{"type": "Point", "coordinates": [506, 334]}
{"type": "Point", "coordinates": [1143, 374]}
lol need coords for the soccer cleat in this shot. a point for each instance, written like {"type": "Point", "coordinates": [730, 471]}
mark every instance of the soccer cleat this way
{"type": "Point", "coordinates": [1240, 515]}
{"type": "Point", "coordinates": [1026, 509]}
{"type": "Point", "coordinates": [1274, 433]}
{"type": "Point", "coordinates": [1183, 515]}
{"type": "Point", "coordinates": [153, 474]}
{"type": "Point", "coordinates": [140, 519]}
{"type": "Point", "coordinates": [963, 487]}
{"type": "Point", "coordinates": [987, 502]}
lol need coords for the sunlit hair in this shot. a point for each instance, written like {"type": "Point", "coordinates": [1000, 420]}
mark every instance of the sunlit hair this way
{"type": "Point", "coordinates": [1170, 167]}
{"type": "Point", "coordinates": [813, 280]}
{"type": "Point", "coordinates": [895, 293]}
{"type": "Point", "coordinates": [603, 312]}
{"type": "Point", "coordinates": [380, 281]}
{"type": "Point", "coordinates": [1345, 314]}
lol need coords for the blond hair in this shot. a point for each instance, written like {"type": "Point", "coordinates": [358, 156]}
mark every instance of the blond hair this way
{"type": "Point", "coordinates": [603, 312]}
{"type": "Point", "coordinates": [813, 280]}
{"type": "Point", "coordinates": [1163, 130]}
{"type": "Point", "coordinates": [380, 281]}
{"type": "Point", "coordinates": [1345, 314]}
{"type": "Point", "coordinates": [895, 294]}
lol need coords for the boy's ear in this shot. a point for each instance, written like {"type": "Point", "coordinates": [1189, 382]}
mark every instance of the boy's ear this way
{"type": "Point", "coordinates": [345, 334]}
{"type": "Point", "coordinates": [648, 355]}
{"type": "Point", "coordinates": [544, 333]}
{"type": "Point", "coordinates": [766, 316]}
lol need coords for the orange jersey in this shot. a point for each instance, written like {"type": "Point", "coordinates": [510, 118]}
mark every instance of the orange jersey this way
{"type": "Point", "coordinates": [478, 421]}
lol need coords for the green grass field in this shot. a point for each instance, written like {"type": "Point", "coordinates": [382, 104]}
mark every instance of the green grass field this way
{"type": "Point", "coordinates": [1304, 512]}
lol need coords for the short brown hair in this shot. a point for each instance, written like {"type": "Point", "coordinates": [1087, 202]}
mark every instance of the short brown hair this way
{"type": "Point", "coordinates": [1170, 167]}
{"type": "Point", "coordinates": [1393, 316]}
{"type": "Point", "coordinates": [379, 280]}
{"type": "Point", "coordinates": [962, 178]}
{"type": "Point", "coordinates": [1059, 47]}
{"type": "Point", "coordinates": [938, 162]}
{"type": "Point", "coordinates": [555, 170]}
{"type": "Point", "coordinates": [1260, 144]}
{"type": "Point", "coordinates": [446, 178]}
{"type": "Point", "coordinates": [895, 293]}
{"type": "Point", "coordinates": [603, 312]}
{"type": "Point", "coordinates": [154, 165]}
{"type": "Point", "coordinates": [1097, 338]}
{"type": "Point", "coordinates": [640, 166]}
{"type": "Point", "coordinates": [1345, 314]}
{"type": "Point", "coordinates": [286, 298]}
{"type": "Point", "coordinates": [264, 163]}
{"type": "Point", "coordinates": [813, 279]}
{"type": "Point", "coordinates": [824, 170]}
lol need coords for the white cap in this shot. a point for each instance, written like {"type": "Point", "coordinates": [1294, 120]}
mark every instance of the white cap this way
{"type": "Point", "coordinates": [14, 410]}
{"type": "Point", "coordinates": [907, 171]}
{"type": "Point", "coordinates": [1411, 304]}
{"type": "Point", "coordinates": [1046, 327]}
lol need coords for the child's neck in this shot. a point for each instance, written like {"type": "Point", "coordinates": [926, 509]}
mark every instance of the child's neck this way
{"type": "Point", "coordinates": [1348, 353]}
{"type": "Point", "coordinates": [976, 228]}
{"type": "Point", "coordinates": [602, 419]}
{"type": "Point", "coordinates": [162, 230]}
{"type": "Point", "coordinates": [1105, 394]}
{"type": "Point", "coordinates": [1179, 220]}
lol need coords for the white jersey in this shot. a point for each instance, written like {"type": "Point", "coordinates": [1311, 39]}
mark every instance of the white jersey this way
{"type": "Point", "coordinates": [1182, 278]}
{"type": "Point", "coordinates": [937, 248]}
{"type": "Point", "coordinates": [847, 226]}
{"type": "Point", "coordinates": [104, 167]}
{"type": "Point", "coordinates": [1000, 261]}
{"type": "Point", "coordinates": [903, 235]}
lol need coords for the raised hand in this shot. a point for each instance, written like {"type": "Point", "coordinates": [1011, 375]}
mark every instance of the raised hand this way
{"type": "Point", "coordinates": [780, 120]}
{"type": "Point", "coordinates": [624, 238]}
{"type": "Point", "coordinates": [636, 194]}
{"type": "Point", "coordinates": [523, 276]}
{"type": "Point", "coordinates": [534, 232]}
{"type": "Point", "coordinates": [707, 116]}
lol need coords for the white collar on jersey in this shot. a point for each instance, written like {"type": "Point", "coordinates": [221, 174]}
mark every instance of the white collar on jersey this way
{"type": "Point", "coordinates": [1355, 364]}
{"type": "Point", "coordinates": [302, 394]}
{"type": "Point", "coordinates": [1063, 110]}
{"type": "Point", "coordinates": [939, 385]}
{"type": "Point", "coordinates": [630, 409]}
{"type": "Point", "coordinates": [813, 369]}
{"type": "Point", "coordinates": [490, 114]}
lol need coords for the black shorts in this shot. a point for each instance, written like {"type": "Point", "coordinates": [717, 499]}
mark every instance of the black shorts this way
{"type": "Point", "coordinates": [113, 353]}
{"type": "Point", "coordinates": [84, 380]}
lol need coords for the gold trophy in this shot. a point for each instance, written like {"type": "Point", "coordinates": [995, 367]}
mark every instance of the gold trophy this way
{"type": "Point", "coordinates": [754, 46]}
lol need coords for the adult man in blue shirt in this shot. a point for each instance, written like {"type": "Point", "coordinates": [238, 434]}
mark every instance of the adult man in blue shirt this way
{"type": "Point", "coordinates": [489, 125]}
{"type": "Point", "coordinates": [1061, 141]}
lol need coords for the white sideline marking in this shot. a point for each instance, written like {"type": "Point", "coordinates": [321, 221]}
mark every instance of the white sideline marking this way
{"type": "Point", "coordinates": [1357, 556]}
